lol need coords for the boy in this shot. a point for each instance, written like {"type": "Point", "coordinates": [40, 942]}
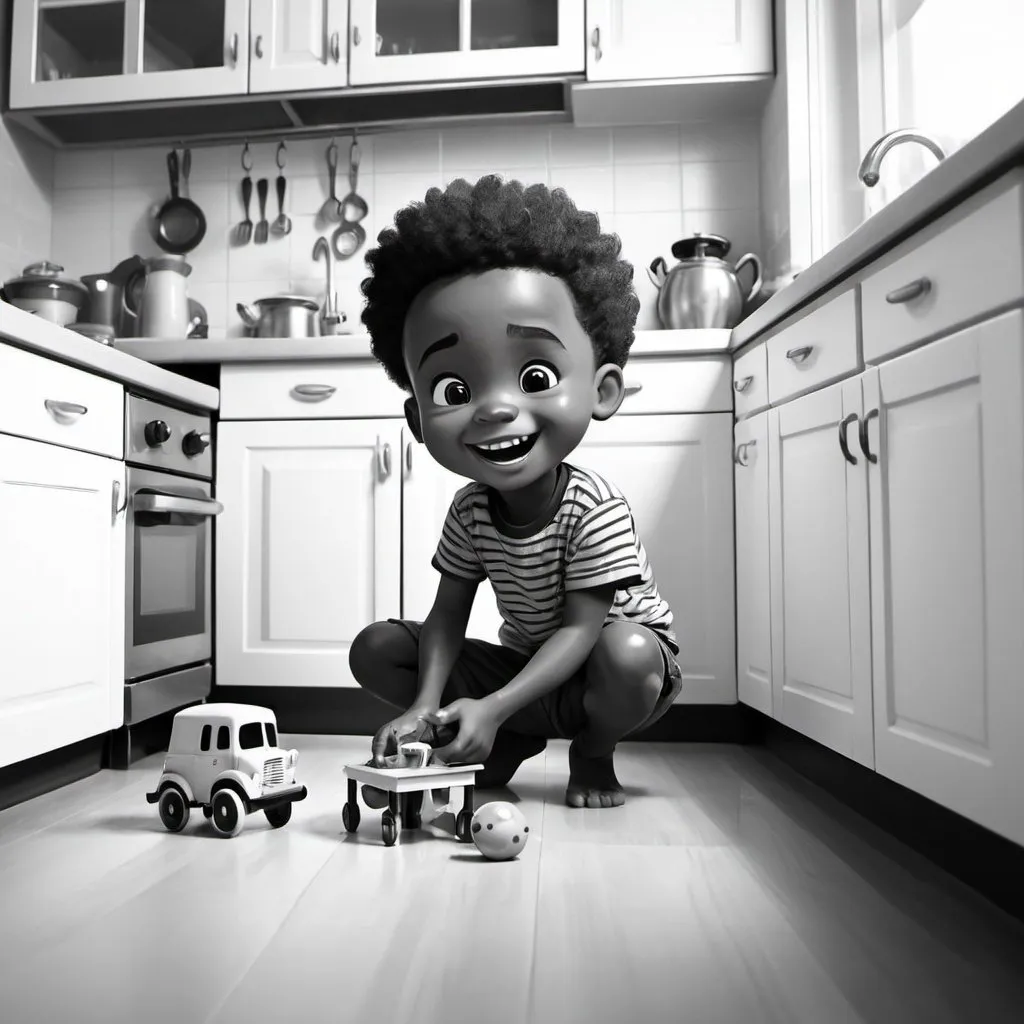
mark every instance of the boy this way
{"type": "Point", "coordinates": [508, 317]}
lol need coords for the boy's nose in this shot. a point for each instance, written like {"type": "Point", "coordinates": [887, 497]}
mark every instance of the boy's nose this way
{"type": "Point", "coordinates": [495, 410]}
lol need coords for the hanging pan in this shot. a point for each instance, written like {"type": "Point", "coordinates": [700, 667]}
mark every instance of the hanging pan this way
{"type": "Point", "coordinates": [180, 224]}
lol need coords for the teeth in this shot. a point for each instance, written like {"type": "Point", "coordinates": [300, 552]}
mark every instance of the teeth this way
{"type": "Point", "coordinates": [505, 444]}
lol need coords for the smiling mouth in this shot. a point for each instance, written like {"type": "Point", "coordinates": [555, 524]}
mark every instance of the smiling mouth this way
{"type": "Point", "coordinates": [507, 451]}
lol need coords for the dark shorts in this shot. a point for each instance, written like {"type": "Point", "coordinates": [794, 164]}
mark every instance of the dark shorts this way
{"type": "Point", "coordinates": [482, 668]}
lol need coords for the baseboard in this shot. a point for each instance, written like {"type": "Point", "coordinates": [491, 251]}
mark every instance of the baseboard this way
{"type": "Point", "coordinates": [988, 863]}
{"type": "Point", "coordinates": [41, 774]}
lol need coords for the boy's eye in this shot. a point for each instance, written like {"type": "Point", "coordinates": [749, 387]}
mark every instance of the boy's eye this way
{"type": "Point", "coordinates": [537, 377]}
{"type": "Point", "coordinates": [449, 390]}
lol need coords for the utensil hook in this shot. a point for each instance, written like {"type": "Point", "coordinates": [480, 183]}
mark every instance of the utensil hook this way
{"type": "Point", "coordinates": [246, 158]}
{"type": "Point", "coordinates": [282, 155]}
{"type": "Point", "coordinates": [354, 156]}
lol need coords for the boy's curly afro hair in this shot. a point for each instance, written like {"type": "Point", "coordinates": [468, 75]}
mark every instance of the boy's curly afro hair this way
{"type": "Point", "coordinates": [468, 229]}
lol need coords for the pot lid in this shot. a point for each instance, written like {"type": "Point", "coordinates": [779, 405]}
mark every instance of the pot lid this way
{"type": "Point", "coordinates": [289, 300]}
{"type": "Point", "coordinates": [699, 245]}
{"type": "Point", "coordinates": [46, 275]}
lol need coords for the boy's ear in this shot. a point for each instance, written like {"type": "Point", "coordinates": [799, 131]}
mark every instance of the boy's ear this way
{"type": "Point", "coordinates": [609, 389]}
{"type": "Point", "coordinates": [412, 417]}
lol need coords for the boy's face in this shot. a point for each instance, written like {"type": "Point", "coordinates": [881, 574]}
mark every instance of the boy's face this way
{"type": "Point", "coordinates": [500, 357]}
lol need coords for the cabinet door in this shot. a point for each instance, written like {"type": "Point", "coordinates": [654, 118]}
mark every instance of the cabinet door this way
{"type": "Point", "coordinates": [753, 579]}
{"type": "Point", "coordinates": [307, 547]}
{"type": "Point", "coordinates": [675, 472]}
{"type": "Point", "coordinates": [427, 491]}
{"type": "Point", "coordinates": [83, 52]}
{"type": "Point", "coordinates": [638, 39]}
{"type": "Point", "coordinates": [947, 571]}
{"type": "Point", "coordinates": [451, 40]}
{"type": "Point", "coordinates": [298, 44]}
{"type": "Point", "coordinates": [62, 598]}
{"type": "Point", "coordinates": [820, 614]}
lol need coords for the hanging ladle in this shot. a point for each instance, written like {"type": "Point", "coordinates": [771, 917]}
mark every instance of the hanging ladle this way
{"type": "Point", "coordinates": [349, 237]}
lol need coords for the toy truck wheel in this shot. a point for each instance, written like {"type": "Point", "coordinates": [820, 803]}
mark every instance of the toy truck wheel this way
{"type": "Point", "coordinates": [388, 828]}
{"type": "Point", "coordinates": [207, 811]}
{"type": "Point", "coordinates": [173, 809]}
{"type": "Point", "coordinates": [228, 812]}
{"type": "Point", "coordinates": [350, 817]}
{"type": "Point", "coordinates": [462, 824]}
{"type": "Point", "coordinates": [280, 815]}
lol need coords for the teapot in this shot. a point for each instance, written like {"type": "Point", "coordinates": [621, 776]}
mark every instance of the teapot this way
{"type": "Point", "coordinates": [703, 288]}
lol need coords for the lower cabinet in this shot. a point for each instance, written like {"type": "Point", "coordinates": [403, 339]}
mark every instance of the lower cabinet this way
{"type": "Point", "coordinates": [62, 602]}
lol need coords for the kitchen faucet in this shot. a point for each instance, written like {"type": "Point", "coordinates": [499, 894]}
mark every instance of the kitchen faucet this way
{"type": "Point", "coordinates": [869, 166]}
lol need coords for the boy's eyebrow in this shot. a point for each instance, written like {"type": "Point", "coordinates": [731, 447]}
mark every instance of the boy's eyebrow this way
{"type": "Point", "coordinates": [446, 342]}
{"type": "Point", "coordinates": [521, 331]}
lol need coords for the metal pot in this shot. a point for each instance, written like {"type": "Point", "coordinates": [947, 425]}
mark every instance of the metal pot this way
{"type": "Point", "coordinates": [702, 289]}
{"type": "Point", "coordinates": [42, 291]}
{"type": "Point", "coordinates": [282, 316]}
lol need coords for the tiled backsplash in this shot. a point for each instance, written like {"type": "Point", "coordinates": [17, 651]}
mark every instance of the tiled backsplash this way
{"type": "Point", "coordinates": [651, 185]}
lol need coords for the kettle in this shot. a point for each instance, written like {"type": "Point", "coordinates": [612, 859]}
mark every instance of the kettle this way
{"type": "Point", "coordinates": [164, 310]}
{"type": "Point", "coordinates": [109, 300]}
{"type": "Point", "coordinates": [702, 289]}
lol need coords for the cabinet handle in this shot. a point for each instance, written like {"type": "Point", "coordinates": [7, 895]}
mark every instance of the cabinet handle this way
{"type": "Point", "coordinates": [799, 355]}
{"type": "Point", "coordinates": [631, 389]}
{"type": "Point", "coordinates": [116, 508]}
{"type": "Point", "coordinates": [233, 49]}
{"type": "Point", "coordinates": [595, 42]}
{"type": "Point", "coordinates": [740, 458]}
{"type": "Point", "coordinates": [336, 47]}
{"type": "Point", "coordinates": [384, 459]}
{"type": "Point", "coordinates": [317, 391]}
{"type": "Point", "coordinates": [408, 457]}
{"type": "Point", "coordinates": [864, 445]}
{"type": "Point", "coordinates": [843, 445]}
{"type": "Point", "coordinates": [356, 36]}
{"type": "Point", "coordinates": [739, 386]}
{"type": "Point", "coordinates": [909, 292]}
{"type": "Point", "coordinates": [57, 408]}
{"type": "Point", "coordinates": [257, 47]}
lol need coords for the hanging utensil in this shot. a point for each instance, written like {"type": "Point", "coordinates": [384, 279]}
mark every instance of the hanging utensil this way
{"type": "Point", "coordinates": [262, 228]}
{"type": "Point", "coordinates": [186, 171]}
{"type": "Point", "coordinates": [180, 224]}
{"type": "Point", "coordinates": [244, 230]}
{"type": "Point", "coordinates": [282, 223]}
{"type": "Point", "coordinates": [348, 239]}
{"type": "Point", "coordinates": [330, 211]}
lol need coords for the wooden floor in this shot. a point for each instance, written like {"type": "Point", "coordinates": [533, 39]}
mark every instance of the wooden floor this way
{"type": "Point", "coordinates": [727, 890]}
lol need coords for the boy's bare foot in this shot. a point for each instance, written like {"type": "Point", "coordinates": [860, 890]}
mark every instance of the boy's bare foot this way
{"type": "Point", "coordinates": [592, 781]}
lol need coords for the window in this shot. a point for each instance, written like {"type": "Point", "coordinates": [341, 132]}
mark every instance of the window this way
{"type": "Point", "coordinates": [250, 735]}
{"type": "Point", "coordinates": [223, 738]}
{"type": "Point", "coordinates": [271, 734]}
{"type": "Point", "coordinates": [204, 738]}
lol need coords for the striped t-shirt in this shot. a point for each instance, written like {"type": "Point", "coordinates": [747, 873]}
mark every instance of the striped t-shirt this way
{"type": "Point", "coordinates": [585, 538]}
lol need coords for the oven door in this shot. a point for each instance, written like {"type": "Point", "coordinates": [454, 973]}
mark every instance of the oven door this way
{"type": "Point", "coordinates": [168, 568]}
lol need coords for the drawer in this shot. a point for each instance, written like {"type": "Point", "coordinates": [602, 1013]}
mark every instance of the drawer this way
{"type": "Point", "coordinates": [968, 263]}
{"type": "Point", "coordinates": [680, 384]}
{"type": "Point", "coordinates": [349, 389]}
{"type": "Point", "coordinates": [750, 381]}
{"type": "Point", "coordinates": [819, 348]}
{"type": "Point", "coordinates": [48, 401]}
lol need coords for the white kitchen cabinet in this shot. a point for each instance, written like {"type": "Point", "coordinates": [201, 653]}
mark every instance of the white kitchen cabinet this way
{"type": "Point", "coordinates": [427, 492]}
{"type": "Point", "coordinates": [395, 41]}
{"type": "Point", "coordinates": [308, 546]}
{"type": "Point", "coordinates": [753, 576]}
{"type": "Point", "coordinates": [298, 44]}
{"type": "Point", "coordinates": [674, 470]}
{"type": "Point", "coordinates": [85, 52]}
{"type": "Point", "coordinates": [820, 608]}
{"type": "Point", "coordinates": [62, 599]}
{"type": "Point", "coordinates": [947, 570]}
{"type": "Point", "coordinates": [629, 40]}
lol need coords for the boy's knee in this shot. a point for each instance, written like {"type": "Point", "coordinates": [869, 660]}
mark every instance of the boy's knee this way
{"type": "Point", "coordinates": [627, 661]}
{"type": "Point", "coordinates": [374, 651]}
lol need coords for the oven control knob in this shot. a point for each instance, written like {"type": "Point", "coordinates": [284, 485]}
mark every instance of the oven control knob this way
{"type": "Point", "coordinates": [194, 443]}
{"type": "Point", "coordinates": [157, 432]}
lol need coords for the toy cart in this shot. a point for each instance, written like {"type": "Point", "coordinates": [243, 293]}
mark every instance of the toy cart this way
{"type": "Point", "coordinates": [401, 784]}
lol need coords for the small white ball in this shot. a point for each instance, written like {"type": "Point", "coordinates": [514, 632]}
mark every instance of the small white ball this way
{"type": "Point", "coordinates": [499, 830]}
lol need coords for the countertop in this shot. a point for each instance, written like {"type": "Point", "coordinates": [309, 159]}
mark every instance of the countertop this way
{"type": "Point", "coordinates": [32, 332]}
{"type": "Point", "coordinates": [980, 161]}
{"type": "Point", "coordinates": [357, 346]}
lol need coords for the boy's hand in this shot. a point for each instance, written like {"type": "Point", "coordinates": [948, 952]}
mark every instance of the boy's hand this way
{"type": "Point", "coordinates": [407, 727]}
{"type": "Point", "coordinates": [477, 726]}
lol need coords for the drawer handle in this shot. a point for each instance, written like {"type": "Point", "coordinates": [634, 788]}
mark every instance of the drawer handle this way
{"type": "Point", "coordinates": [316, 391]}
{"type": "Point", "coordinates": [408, 457]}
{"type": "Point", "coordinates": [595, 42]}
{"type": "Point", "coordinates": [740, 458]}
{"type": "Point", "coordinates": [799, 355]}
{"type": "Point", "coordinates": [631, 389]}
{"type": "Point", "coordinates": [864, 443]}
{"type": "Point", "coordinates": [384, 459]}
{"type": "Point", "coordinates": [335, 47]}
{"type": "Point", "coordinates": [843, 444]}
{"type": "Point", "coordinates": [739, 386]}
{"type": "Point", "coordinates": [909, 292]}
{"type": "Point", "coordinates": [57, 409]}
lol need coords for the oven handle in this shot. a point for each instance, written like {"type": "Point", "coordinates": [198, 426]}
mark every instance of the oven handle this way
{"type": "Point", "coordinates": [172, 503]}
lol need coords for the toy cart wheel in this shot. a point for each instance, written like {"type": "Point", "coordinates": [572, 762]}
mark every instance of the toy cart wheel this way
{"type": "Point", "coordinates": [462, 824]}
{"type": "Point", "coordinates": [388, 828]}
{"type": "Point", "coordinates": [280, 815]}
{"type": "Point", "coordinates": [173, 809]}
{"type": "Point", "coordinates": [350, 817]}
{"type": "Point", "coordinates": [207, 811]}
{"type": "Point", "coordinates": [228, 812]}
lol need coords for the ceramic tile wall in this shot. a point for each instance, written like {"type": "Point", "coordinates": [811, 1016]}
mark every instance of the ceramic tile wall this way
{"type": "Point", "coordinates": [651, 185]}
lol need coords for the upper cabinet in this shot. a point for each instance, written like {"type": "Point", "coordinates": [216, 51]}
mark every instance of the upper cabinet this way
{"type": "Point", "coordinates": [393, 41]}
{"type": "Point", "coordinates": [651, 39]}
{"type": "Point", "coordinates": [82, 52]}
{"type": "Point", "coordinates": [298, 44]}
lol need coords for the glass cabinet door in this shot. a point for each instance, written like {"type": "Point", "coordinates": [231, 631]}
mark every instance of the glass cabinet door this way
{"type": "Point", "coordinates": [82, 52]}
{"type": "Point", "coordinates": [448, 40]}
